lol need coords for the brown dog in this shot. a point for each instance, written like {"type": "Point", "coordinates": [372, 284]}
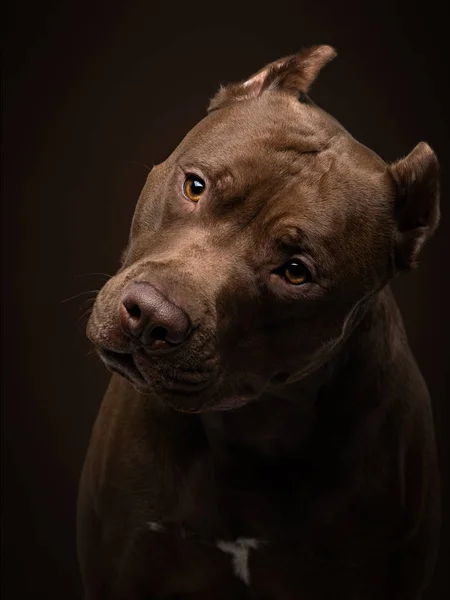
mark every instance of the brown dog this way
{"type": "Point", "coordinates": [267, 433]}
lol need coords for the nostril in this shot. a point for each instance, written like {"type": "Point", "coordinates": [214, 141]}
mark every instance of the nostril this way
{"type": "Point", "coordinates": [134, 311]}
{"type": "Point", "coordinates": [132, 317]}
{"type": "Point", "coordinates": [159, 333]}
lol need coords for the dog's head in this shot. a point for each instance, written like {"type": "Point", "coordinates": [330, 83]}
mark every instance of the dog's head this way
{"type": "Point", "coordinates": [256, 242]}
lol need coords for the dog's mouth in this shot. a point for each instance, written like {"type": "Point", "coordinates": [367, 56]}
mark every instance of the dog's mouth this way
{"type": "Point", "coordinates": [133, 366]}
{"type": "Point", "coordinates": [125, 365]}
{"type": "Point", "coordinates": [188, 392]}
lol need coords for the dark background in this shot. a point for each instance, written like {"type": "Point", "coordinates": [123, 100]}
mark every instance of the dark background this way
{"type": "Point", "coordinates": [93, 89]}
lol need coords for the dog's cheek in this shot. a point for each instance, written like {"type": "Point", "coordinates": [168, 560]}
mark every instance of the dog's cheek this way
{"type": "Point", "coordinates": [305, 341]}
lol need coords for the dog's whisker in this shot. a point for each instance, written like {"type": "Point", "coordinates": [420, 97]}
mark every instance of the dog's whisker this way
{"type": "Point", "coordinates": [94, 274]}
{"type": "Point", "coordinates": [80, 294]}
{"type": "Point", "coordinates": [89, 301]}
{"type": "Point", "coordinates": [141, 164]}
{"type": "Point", "coordinates": [84, 317]}
{"type": "Point", "coordinates": [82, 321]}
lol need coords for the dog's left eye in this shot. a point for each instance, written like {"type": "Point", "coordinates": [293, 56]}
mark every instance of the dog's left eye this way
{"type": "Point", "coordinates": [295, 272]}
{"type": "Point", "coordinates": [193, 187]}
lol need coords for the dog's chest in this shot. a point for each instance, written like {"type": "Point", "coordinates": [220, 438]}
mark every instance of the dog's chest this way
{"type": "Point", "coordinates": [237, 537]}
{"type": "Point", "coordinates": [172, 563]}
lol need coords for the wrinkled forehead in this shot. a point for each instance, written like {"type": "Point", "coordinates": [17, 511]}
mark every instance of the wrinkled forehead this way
{"type": "Point", "coordinates": [264, 129]}
{"type": "Point", "coordinates": [288, 169]}
{"type": "Point", "coordinates": [298, 156]}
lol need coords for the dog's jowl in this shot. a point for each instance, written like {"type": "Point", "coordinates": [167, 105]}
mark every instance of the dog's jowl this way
{"type": "Point", "coordinates": [266, 432]}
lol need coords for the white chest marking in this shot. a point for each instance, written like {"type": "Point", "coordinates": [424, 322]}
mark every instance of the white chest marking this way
{"type": "Point", "coordinates": [154, 526]}
{"type": "Point", "coordinates": [240, 551]}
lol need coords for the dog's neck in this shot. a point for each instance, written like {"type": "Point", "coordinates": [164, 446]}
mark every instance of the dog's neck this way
{"type": "Point", "coordinates": [277, 423]}
{"type": "Point", "coordinates": [281, 423]}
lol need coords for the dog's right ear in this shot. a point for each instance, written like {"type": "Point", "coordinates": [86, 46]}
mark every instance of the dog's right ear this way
{"type": "Point", "coordinates": [294, 74]}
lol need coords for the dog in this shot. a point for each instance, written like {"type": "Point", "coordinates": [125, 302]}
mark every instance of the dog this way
{"type": "Point", "coordinates": [266, 432]}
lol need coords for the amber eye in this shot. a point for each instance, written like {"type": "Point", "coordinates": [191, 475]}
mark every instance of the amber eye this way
{"type": "Point", "coordinates": [193, 187]}
{"type": "Point", "coordinates": [295, 272]}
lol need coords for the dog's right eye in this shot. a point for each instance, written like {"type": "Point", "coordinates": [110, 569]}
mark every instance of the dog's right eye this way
{"type": "Point", "coordinates": [295, 272]}
{"type": "Point", "coordinates": [193, 187]}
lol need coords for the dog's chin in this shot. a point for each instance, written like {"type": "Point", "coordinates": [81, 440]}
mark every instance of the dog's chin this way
{"type": "Point", "coordinates": [207, 395]}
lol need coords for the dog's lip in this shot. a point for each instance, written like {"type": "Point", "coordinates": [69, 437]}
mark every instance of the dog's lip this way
{"type": "Point", "coordinates": [122, 363]}
{"type": "Point", "coordinates": [125, 364]}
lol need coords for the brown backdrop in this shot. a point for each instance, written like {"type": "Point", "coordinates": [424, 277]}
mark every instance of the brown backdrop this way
{"type": "Point", "coordinates": [93, 89]}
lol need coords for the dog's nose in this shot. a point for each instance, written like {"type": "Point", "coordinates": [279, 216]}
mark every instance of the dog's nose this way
{"type": "Point", "coordinates": [151, 318]}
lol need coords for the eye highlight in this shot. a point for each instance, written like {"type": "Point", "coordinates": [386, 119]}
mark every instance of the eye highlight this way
{"type": "Point", "coordinates": [295, 272]}
{"type": "Point", "coordinates": [193, 187]}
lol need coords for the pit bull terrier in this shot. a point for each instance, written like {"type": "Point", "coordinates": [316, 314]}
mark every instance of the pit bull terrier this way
{"type": "Point", "coordinates": [266, 433]}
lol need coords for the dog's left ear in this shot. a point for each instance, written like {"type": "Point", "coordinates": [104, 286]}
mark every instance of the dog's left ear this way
{"type": "Point", "coordinates": [293, 74]}
{"type": "Point", "coordinates": [417, 203]}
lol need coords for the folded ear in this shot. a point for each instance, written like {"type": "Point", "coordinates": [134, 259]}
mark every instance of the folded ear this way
{"type": "Point", "coordinates": [417, 203]}
{"type": "Point", "coordinates": [294, 73]}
